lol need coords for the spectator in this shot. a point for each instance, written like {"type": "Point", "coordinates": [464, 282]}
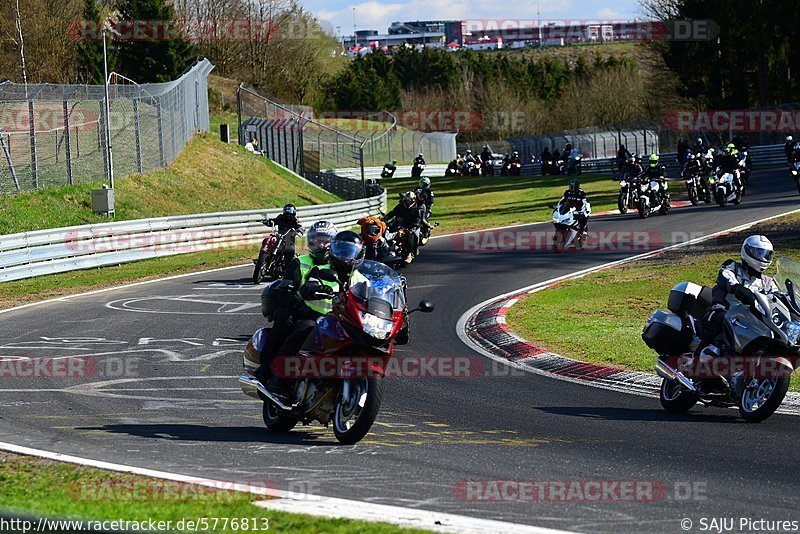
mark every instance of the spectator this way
{"type": "Point", "coordinates": [252, 146]}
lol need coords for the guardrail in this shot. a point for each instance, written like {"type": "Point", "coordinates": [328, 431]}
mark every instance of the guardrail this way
{"type": "Point", "coordinates": [767, 155]}
{"type": "Point", "coordinates": [41, 252]}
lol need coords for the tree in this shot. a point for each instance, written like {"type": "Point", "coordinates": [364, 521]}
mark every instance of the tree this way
{"type": "Point", "coordinates": [90, 48]}
{"type": "Point", "coordinates": [161, 53]}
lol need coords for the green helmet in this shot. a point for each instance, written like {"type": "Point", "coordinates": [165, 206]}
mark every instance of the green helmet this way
{"type": "Point", "coordinates": [653, 160]}
{"type": "Point", "coordinates": [424, 182]}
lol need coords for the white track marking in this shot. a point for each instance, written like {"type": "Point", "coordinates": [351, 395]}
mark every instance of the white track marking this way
{"type": "Point", "coordinates": [301, 503]}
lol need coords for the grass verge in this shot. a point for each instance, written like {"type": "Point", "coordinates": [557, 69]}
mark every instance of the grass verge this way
{"type": "Point", "coordinates": [600, 316]}
{"type": "Point", "coordinates": [208, 176]}
{"type": "Point", "coordinates": [78, 492]}
{"type": "Point", "coordinates": [476, 202]}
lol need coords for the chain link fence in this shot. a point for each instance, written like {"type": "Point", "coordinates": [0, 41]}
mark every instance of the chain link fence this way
{"type": "Point", "coordinates": [54, 135]}
{"type": "Point", "coordinates": [333, 151]}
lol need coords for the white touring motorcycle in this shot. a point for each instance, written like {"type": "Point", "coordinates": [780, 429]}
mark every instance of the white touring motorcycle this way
{"type": "Point", "coordinates": [728, 187]}
{"type": "Point", "coordinates": [759, 348]}
{"type": "Point", "coordinates": [567, 226]}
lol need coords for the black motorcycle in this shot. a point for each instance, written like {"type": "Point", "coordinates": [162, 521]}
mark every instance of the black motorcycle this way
{"type": "Point", "coordinates": [628, 192]}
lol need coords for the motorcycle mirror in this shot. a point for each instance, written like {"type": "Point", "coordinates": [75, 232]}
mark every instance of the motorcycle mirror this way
{"type": "Point", "coordinates": [425, 306]}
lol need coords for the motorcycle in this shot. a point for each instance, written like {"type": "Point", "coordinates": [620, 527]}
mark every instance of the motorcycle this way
{"type": "Point", "coordinates": [271, 262]}
{"type": "Point", "coordinates": [728, 188]}
{"type": "Point", "coordinates": [653, 196]}
{"type": "Point", "coordinates": [417, 169]}
{"type": "Point", "coordinates": [388, 171]}
{"type": "Point", "coordinates": [567, 227]}
{"type": "Point", "coordinates": [759, 349]}
{"type": "Point", "coordinates": [628, 192]}
{"type": "Point", "coordinates": [473, 168]}
{"type": "Point", "coordinates": [574, 165]}
{"type": "Point", "coordinates": [487, 169]}
{"type": "Point", "coordinates": [454, 170]}
{"type": "Point", "coordinates": [695, 189]}
{"type": "Point", "coordinates": [795, 169]}
{"type": "Point", "coordinates": [340, 379]}
{"type": "Point", "coordinates": [398, 240]}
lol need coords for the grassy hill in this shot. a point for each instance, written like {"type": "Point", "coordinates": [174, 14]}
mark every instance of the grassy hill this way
{"type": "Point", "coordinates": [208, 176]}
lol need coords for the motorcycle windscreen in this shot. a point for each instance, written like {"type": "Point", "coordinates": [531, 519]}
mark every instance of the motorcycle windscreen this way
{"type": "Point", "coordinates": [789, 269]}
{"type": "Point", "coordinates": [330, 335]}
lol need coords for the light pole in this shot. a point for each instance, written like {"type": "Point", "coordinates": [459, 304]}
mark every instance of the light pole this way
{"type": "Point", "coordinates": [107, 111]}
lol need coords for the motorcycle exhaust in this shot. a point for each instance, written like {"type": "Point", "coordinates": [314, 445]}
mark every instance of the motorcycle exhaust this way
{"type": "Point", "coordinates": [664, 370]}
{"type": "Point", "coordinates": [251, 383]}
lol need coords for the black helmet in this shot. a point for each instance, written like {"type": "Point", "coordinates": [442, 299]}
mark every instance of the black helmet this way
{"type": "Point", "coordinates": [409, 199]}
{"type": "Point", "coordinates": [289, 210]}
{"type": "Point", "coordinates": [347, 252]}
{"type": "Point", "coordinates": [574, 184]}
{"type": "Point", "coordinates": [319, 239]}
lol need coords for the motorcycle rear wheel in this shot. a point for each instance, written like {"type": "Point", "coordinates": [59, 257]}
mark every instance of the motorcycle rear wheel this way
{"type": "Point", "coordinates": [675, 398]}
{"type": "Point", "coordinates": [352, 418]}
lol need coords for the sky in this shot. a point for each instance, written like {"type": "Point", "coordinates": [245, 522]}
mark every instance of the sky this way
{"type": "Point", "coordinates": [375, 15]}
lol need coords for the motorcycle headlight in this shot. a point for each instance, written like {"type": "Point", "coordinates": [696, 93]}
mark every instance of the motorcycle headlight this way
{"type": "Point", "coordinates": [643, 187]}
{"type": "Point", "coordinates": [623, 183]}
{"type": "Point", "coordinates": [375, 326]}
{"type": "Point", "coordinates": [793, 332]}
{"type": "Point", "coordinates": [794, 172]}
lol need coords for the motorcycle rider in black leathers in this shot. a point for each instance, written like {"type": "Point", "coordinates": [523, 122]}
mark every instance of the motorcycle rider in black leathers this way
{"type": "Point", "coordinates": [788, 147]}
{"type": "Point", "coordinates": [453, 167]}
{"type": "Point", "coordinates": [693, 167]}
{"type": "Point", "coordinates": [740, 280]}
{"type": "Point", "coordinates": [486, 154]}
{"type": "Point", "coordinates": [424, 201]}
{"type": "Point", "coordinates": [406, 214]}
{"type": "Point", "coordinates": [547, 161]}
{"type": "Point", "coordinates": [729, 162]}
{"type": "Point", "coordinates": [292, 311]}
{"type": "Point", "coordinates": [655, 171]}
{"type": "Point", "coordinates": [287, 220]}
{"type": "Point", "coordinates": [420, 159]}
{"type": "Point", "coordinates": [622, 157]}
{"type": "Point", "coordinates": [575, 197]}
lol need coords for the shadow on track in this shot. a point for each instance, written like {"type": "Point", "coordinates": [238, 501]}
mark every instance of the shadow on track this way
{"type": "Point", "coordinates": [221, 434]}
{"type": "Point", "coordinates": [638, 414]}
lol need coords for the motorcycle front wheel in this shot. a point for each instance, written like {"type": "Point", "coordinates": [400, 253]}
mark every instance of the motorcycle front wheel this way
{"type": "Point", "coordinates": [675, 398]}
{"type": "Point", "coordinates": [259, 272]}
{"type": "Point", "coordinates": [644, 209]}
{"type": "Point", "coordinates": [353, 416]}
{"type": "Point", "coordinates": [622, 203]}
{"type": "Point", "coordinates": [721, 199]}
{"type": "Point", "coordinates": [273, 418]}
{"type": "Point", "coordinates": [694, 198]}
{"type": "Point", "coordinates": [665, 206]}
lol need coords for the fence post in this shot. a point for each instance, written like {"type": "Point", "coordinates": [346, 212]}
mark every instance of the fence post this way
{"type": "Point", "coordinates": [137, 135]}
{"type": "Point", "coordinates": [160, 120]}
{"type": "Point", "coordinates": [239, 114]}
{"type": "Point", "coordinates": [67, 148]}
{"type": "Point", "coordinates": [32, 129]}
{"type": "Point", "coordinates": [363, 178]}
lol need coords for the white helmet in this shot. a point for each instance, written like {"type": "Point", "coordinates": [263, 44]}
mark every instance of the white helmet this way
{"type": "Point", "coordinates": [789, 138]}
{"type": "Point", "coordinates": [757, 252]}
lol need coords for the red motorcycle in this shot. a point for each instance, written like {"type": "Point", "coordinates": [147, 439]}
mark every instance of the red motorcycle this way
{"type": "Point", "coordinates": [271, 262]}
{"type": "Point", "coordinates": [340, 378]}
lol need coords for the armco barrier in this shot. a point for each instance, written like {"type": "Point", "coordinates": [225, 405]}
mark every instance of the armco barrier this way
{"type": "Point", "coordinates": [29, 254]}
{"type": "Point", "coordinates": [765, 156]}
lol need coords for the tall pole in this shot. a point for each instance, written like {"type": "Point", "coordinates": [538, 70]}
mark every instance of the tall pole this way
{"type": "Point", "coordinates": [539, 23]}
{"type": "Point", "coordinates": [108, 109]}
{"type": "Point", "coordinates": [355, 39]}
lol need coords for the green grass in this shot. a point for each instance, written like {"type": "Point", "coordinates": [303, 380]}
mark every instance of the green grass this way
{"type": "Point", "coordinates": [600, 317]}
{"type": "Point", "coordinates": [208, 176]}
{"type": "Point", "coordinates": [476, 202]}
{"type": "Point", "coordinates": [36, 487]}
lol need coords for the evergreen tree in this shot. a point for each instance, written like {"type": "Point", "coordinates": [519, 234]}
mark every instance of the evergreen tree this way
{"type": "Point", "coordinates": [90, 49]}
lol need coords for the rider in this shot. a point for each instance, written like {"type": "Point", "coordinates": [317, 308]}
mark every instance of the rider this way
{"type": "Point", "coordinates": [375, 244]}
{"type": "Point", "coordinates": [575, 197]}
{"type": "Point", "coordinates": [425, 204]}
{"type": "Point", "coordinates": [486, 154]}
{"type": "Point", "coordinates": [547, 161]}
{"type": "Point", "coordinates": [407, 214]}
{"type": "Point", "coordinates": [739, 280]}
{"type": "Point", "coordinates": [285, 221]}
{"type": "Point", "coordinates": [453, 167]}
{"type": "Point", "coordinates": [420, 159]}
{"type": "Point", "coordinates": [694, 167]}
{"type": "Point", "coordinates": [288, 309]}
{"type": "Point", "coordinates": [699, 147]}
{"type": "Point", "coordinates": [728, 162]}
{"type": "Point", "coordinates": [622, 157]}
{"type": "Point", "coordinates": [655, 171]}
{"type": "Point", "coordinates": [788, 147]}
